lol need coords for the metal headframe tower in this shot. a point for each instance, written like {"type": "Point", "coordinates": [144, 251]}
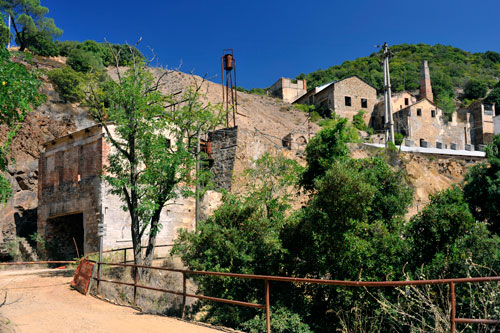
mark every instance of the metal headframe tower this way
{"type": "Point", "coordinates": [229, 93]}
{"type": "Point", "coordinates": [389, 123]}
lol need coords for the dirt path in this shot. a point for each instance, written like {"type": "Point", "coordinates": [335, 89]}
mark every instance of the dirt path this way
{"type": "Point", "coordinates": [42, 301]}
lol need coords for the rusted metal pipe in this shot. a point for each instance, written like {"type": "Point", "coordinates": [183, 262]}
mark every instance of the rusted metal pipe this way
{"type": "Point", "coordinates": [38, 262]}
{"type": "Point", "coordinates": [268, 306]}
{"type": "Point", "coordinates": [477, 321]}
{"type": "Point", "coordinates": [183, 295]}
{"type": "Point", "coordinates": [453, 308]}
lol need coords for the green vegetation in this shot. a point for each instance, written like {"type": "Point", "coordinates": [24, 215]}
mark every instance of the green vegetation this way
{"type": "Point", "coordinates": [147, 169]}
{"type": "Point", "coordinates": [68, 83]}
{"type": "Point", "coordinates": [475, 89]}
{"type": "Point", "coordinates": [255, 91]}
{"type": "Point", "coordinates": [398, 138]}
{"type": "Point", "coordinates": [450, 68]}
{"type": "Point", "coordinates": [482, 188]}
{"type": "Point", "coordinates": [84, 61]}
{"type": "Point", "coordinates": [4, 32]}
{"type": "Point", "coordinates": [19, 93]}
{"type": "Point", "coordinates": [29, 21]}
{"type": "Point", "coordinates": [352, 228]}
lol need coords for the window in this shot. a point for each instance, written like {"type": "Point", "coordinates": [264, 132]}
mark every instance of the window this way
{"type": "Point", "coordinates": [419, 112]}
{"type": "Point", "coordinates": [364, 103]}
{"type": "Point", "coordinates": [407, 101]}
{"type": "Point", "coordinates": [433, 113]}
{"type": "Point", "coordinates": [311, 100]}
{"type": "Point", "coordinates": [423, 143]}
{"type": "Point", "coordinates": [347, 101]}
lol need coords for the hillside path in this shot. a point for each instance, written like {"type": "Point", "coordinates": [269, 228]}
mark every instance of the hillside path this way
{"type": "Point", "coordinates": [42, 301]}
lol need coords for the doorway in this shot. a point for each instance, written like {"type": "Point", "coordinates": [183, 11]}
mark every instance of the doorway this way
{"type": "Point", "coordinates": [65, 237]}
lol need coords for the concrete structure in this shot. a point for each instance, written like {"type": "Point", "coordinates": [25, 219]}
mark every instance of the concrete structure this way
{"type": "Point", "coordinates": [400, 100]}
{"type": "Point", "coordinates": [344, 97]}
{"type": "Point", "coordinates": [287, 89]}
{"type": "Point", "coordinates": [73, 199]}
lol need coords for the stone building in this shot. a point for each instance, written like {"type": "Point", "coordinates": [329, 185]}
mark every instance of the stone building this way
{"type": "Point", "coordinates": [287, 89]}
{"type": "Point", "coordinates": [482, 126]}
{"type": "Point", "coordinates": [343, 97]}
{"type": "Point", "coordinates": [424, 125]}
{"type": "Point", "coordinates": [72, 199]}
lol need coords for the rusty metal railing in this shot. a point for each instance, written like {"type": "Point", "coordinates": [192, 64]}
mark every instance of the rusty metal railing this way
{"type": "Point", "coordinates": [268, 278]}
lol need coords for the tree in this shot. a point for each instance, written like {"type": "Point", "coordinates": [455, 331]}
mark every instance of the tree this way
{"type": "Point", "coordinates": [438, 225]}
{"type": "Point", "coordinates": [243, 236]}
{"type": "Point", "coordinates": [19, 94]}
{"type": "Point", "coordinates": [482, 188]}
{"type": "Point", "coordinates": [28, 17]}
{"type": "Point", "coordinates": [350, 230]}
{"type": "Point", "coordinates": [475, 89]}
{"type": "Point", "coordinates": [4, 32]}
{"type": "Point", "coordinates": [494, 98]}
{"type": "Point", "coordinates": [153, 141]}
{"type": "Point", "coordinates": [84, 61]}
{"type": "Point", "coordinates": [326, 146]}
{"type": "Point", "coordinates": [41, 43]}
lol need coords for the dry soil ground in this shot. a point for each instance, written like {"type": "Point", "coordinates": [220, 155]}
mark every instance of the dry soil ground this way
{"type": "Point", "coordinates": [42, 301]}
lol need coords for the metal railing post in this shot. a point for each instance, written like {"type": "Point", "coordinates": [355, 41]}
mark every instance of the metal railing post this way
{"type": "Point", "coordinates": [98, 277]}
{"type": "Point", "coordinates": [183, 294]}
{"type": "Point", "coordinates": [135, 286]}
{"type": "Point", "coordinates": [453, 308]}
{"type": "Point", "coordinates": [268, 310]}
{"type": "Point", "coordinates": [125, 256]}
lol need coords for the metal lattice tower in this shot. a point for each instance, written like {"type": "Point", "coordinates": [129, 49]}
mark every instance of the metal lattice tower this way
{"type": "Point", "coordinates": [229, 93]}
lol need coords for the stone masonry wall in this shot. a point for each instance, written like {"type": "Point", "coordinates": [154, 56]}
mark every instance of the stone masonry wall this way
{"type": "Point", "coordinates": [224, 145]}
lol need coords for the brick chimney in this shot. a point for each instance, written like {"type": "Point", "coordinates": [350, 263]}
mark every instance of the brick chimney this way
{"type": "Point", "coordinates": [425, 82]}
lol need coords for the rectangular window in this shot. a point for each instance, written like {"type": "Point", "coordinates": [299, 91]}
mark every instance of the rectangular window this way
{"type": "Point", "coordinates": [419, 112]}
{"type": "Point", "coordinates": [407, 101]}
{"type": "Point", "coordinates": [364, 103]}
{"type": "Point", "coordinates": [347, 101]}
{"type": "Point", "coordinates": [311, 100]}
{"type": "Point", "coordinates": [433, 113]}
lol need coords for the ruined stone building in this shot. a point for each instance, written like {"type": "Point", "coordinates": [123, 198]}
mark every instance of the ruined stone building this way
{"type": "Point", "coordinates": [423, 123]}
{"type": "Point", "coordinates": [496, 124]}
{"type": "Point", "coordinates": [73, 198]}
{"type": "Point", "coordinates": [343, 97]}
{"type": "Point", "coordinates": [287, 89]}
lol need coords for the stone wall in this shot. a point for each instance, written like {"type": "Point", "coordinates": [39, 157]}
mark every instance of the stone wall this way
{"type": "Point", "coordinates": [496, 122]}
{"type": "Point", "coordinates": [69, 182]}
{"type": "Point", "coordinates": [224, 145]}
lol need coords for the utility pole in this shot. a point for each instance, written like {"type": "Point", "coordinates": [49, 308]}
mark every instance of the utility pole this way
{"type": "Point", "coordinates": [389, 123]}
{"type": "Point", "coordinates": [8, 45]}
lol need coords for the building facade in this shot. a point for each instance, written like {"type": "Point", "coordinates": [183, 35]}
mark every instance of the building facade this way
{"type": "Point", "coordinates": [344, 97]}
{"type": "Point", "coordinates": [73, 199]}
{"type": "Point", "coordinates": [287, 89]}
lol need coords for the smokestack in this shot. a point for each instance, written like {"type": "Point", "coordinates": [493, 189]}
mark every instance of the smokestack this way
{"type": "Point", "coordinates": [425, 82]}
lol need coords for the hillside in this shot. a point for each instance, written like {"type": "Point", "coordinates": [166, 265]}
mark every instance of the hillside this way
{"type": "Point", "coordinates": [451, 69]}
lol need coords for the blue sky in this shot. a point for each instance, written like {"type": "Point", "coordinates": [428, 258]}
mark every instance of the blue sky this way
{"type": "Point", "coordinates": [273, 38]}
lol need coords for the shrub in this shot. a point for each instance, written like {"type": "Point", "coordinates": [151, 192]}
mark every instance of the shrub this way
{"type": "Point", "coordinates": [84, 61]}
{"type": "Point", "coordinates": [99, 50]}
{"type": "Point", "coordinates": [398, 138]}
{"type": "Point", "coordinates": [475, 89]}
{"type": "Point", "coordinates": [67, 83]}
{"type": "Point", "coordinates": [65, 48]}
{"type": "Point", "coordinates": [41, 43]}
{"type": "Point", "coordinates": [4, 35]}
{"type": "Point", "coordinates": [359, 122]}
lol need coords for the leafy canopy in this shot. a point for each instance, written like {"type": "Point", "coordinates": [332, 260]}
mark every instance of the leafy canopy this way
{"type": "Point", "coordinates": [28, 18]}
{"type": "Point", "coordinates": [19, 94]}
